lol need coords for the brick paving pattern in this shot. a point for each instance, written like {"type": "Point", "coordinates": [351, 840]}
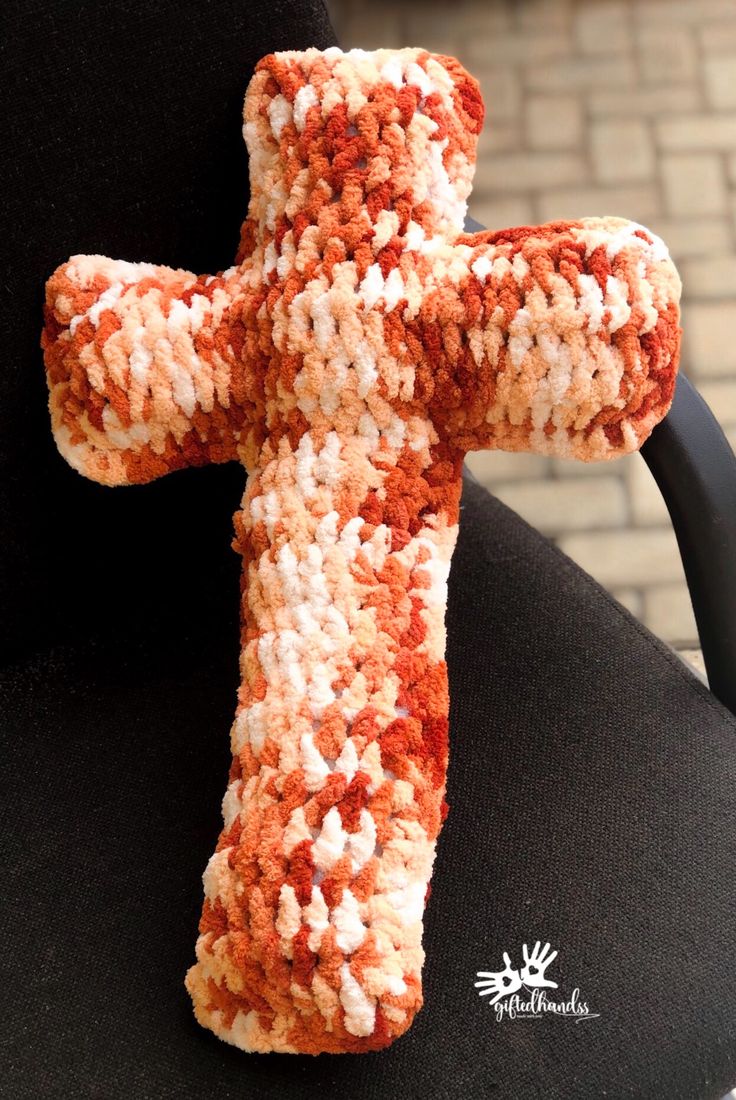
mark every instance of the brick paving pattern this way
{"type": "Point", "coordinates": [602, 107]}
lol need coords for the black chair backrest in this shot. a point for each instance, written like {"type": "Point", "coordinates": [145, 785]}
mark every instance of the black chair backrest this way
{"type": "Point", "coordinates": [125, 139]}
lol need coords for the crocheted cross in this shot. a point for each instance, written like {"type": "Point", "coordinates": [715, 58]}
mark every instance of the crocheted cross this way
{"type": "Point", "coordinates": [359, 347]}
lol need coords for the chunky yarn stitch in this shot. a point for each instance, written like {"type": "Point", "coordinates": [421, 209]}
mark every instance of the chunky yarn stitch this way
{"type": "Point", "coordinates": [361, 344]}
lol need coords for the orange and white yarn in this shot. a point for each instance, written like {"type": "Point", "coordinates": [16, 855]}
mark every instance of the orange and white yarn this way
{"type": "Point", "coordinates": [360, 345]}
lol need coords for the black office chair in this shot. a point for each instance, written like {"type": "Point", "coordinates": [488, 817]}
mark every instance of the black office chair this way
{"type": "Point", "coordinates": [592, 775]}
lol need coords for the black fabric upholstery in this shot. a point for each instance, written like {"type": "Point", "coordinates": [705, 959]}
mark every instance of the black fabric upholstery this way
{"type": "Point", "coordinates": [591, 779]}
{"type": "Point", "coordinates": [591, 791]}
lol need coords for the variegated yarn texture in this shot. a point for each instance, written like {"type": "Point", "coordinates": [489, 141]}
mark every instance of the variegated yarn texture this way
{"type": "Point", "coordinates": [359, 346]}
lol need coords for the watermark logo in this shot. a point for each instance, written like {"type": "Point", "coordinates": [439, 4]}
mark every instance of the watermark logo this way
{"type": "Point", "coordinates": [521, 994]}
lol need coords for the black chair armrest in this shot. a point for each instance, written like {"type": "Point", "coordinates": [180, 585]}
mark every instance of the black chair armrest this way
{"type": "Point", "coordinates": [695, 470]}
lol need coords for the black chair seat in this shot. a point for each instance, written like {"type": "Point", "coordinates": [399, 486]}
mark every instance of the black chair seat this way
{"type": "Point", "coordinates": [591, 779]}
{"type": "Point", "coordinates": [591, 791]}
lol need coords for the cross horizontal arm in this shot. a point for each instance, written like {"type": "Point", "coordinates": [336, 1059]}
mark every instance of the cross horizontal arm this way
{"type": "Point", "coordinates": [140, 368]}
{"type": "Point", "coordinates": [561, 339]}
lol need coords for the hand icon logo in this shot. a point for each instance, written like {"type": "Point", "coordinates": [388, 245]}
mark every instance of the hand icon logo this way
{"type": "Point", "coordinates": [532, 973]}
{"type": "Point", "coordinates": [502, 983]}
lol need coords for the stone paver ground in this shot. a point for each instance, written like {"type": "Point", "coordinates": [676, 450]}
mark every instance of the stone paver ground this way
{"type": "Point", "coordinates": [602, 107]}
